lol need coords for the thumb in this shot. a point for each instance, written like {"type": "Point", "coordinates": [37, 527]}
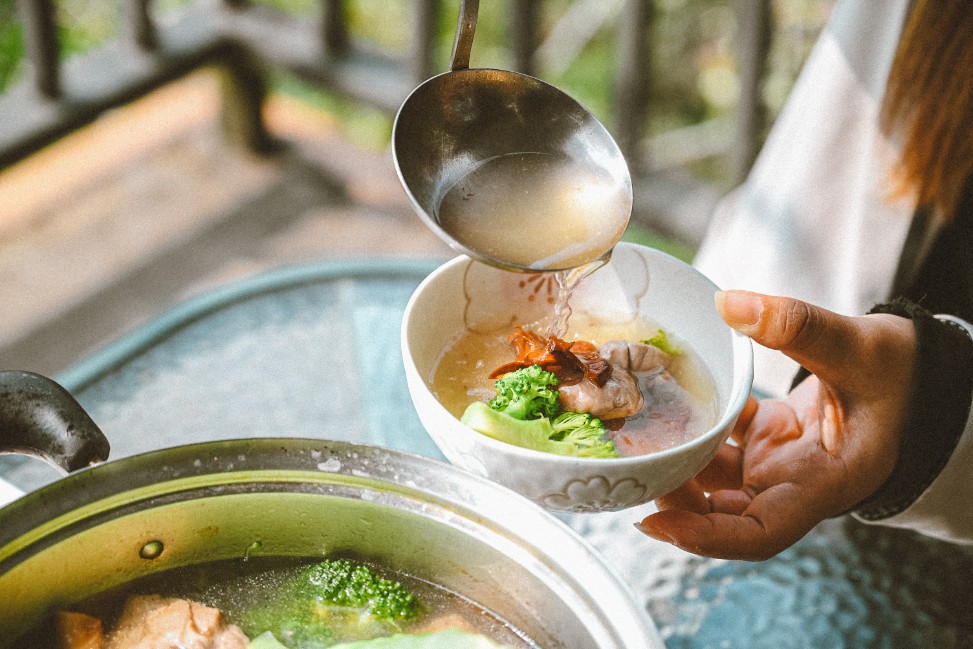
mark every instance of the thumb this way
{"type": "Point", "coordinates": [825, 343]}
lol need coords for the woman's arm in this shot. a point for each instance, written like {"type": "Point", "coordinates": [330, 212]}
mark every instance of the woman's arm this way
{"type": "Point", "coordinates": [930, 487]}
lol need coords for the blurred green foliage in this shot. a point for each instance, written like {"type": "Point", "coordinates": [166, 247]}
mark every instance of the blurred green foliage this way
{"type": "Point", "coordinates": [81, 25]}
{"type": "Point", "coordinates": [85, 24]}
{"type": "Point", "coordinates": [693, 44]}
{"type": "Point", "coordinates": [640, 235]}
{"type": "Point", "coordinates": [693, 72]}
{"type": "Point", "coordinates": [11, 43]}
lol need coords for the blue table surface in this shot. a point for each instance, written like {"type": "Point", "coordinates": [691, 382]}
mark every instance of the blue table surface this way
{"type": "Point", "coordinates": [313, 351]}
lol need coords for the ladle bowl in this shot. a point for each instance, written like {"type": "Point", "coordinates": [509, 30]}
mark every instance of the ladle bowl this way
{"type": "Point", "coordinates": [488, 141]}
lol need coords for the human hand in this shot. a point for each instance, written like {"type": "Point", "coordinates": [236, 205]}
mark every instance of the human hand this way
{"type": "Point", "coordinates": [817, 453]}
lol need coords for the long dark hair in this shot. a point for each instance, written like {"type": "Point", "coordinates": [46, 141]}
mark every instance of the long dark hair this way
{"type": "Point", "coordinates": [928, 105]}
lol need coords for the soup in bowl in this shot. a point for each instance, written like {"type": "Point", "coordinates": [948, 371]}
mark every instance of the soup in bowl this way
{"type": "Point", "coordinates": [679, 376]}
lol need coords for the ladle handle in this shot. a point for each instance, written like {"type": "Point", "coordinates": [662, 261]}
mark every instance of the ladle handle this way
{"type": "Point", "coordinates": [465, 29]}
{"type": "Point", "coordinates": [39, 417]}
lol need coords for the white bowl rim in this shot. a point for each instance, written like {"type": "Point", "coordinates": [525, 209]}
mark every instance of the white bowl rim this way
{"type": "Point", "coordinates": [734, 404]}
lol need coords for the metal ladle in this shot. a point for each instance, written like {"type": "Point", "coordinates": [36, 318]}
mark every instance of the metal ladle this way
{"type": "Point", "coordinates": [471, 142]}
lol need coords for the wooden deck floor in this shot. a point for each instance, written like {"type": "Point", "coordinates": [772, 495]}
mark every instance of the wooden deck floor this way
{"type": "Point", "coordinates": [153, 204]}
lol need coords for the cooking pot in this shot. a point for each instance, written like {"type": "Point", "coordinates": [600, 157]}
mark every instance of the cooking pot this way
{"type": "Point", "coordinates": [116, 521]}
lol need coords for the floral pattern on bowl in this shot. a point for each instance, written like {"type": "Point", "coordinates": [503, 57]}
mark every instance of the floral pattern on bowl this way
{"type": "Point", "coordinates": [596, 494]}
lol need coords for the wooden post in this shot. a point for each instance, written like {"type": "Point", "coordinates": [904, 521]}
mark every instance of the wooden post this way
{"type": "Point", "coordinates": [753, 36]}
{"type": "Point", "coordinates": [524, 16]}
{"type": "Point", "coordinates": [140, 25]}
{"type": "Point", "coordinates": [43, 49]}
{"type": "Point", "coordinates": [244, 92]}
{"type": "Point", "coordinates": [427, 14]}
{"type": "Point", "coordinates": [334, 28]}
{"type": "Point", "coordinates": [633, 84]}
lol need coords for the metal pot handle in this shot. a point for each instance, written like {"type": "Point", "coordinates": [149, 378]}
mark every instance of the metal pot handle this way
{"type": "Point", "coordinates": [39, 417]}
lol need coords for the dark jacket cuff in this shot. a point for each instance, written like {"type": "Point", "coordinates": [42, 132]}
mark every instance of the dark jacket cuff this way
{"type": "Point", "coordinates": [939, 404]}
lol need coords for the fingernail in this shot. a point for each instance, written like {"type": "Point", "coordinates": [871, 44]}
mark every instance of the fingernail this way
{"type": "Point", "coordinates": [652, 532]}
{"type": "Point", "coordinates": [740, 309]}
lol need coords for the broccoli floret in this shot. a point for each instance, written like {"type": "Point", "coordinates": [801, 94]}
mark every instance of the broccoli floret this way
{"type": "Point", "coordinates": [338, 582]}
{"type": "Point", "coordinates": [577, 434]}
{"type": "Point", "coordinates": [527, 393]}
{"type": "Point", "coordinates": [586, 434]}
{"type": "Point", "coordinates": [331, 601]}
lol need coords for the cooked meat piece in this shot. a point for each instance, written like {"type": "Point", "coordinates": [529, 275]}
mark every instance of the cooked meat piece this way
{"type": "Point", "coordinates": [596, 369]}
{"type": "Point", "coordinates": [618, 397]}
{"type": "Point", "coordinates": [78, 631]}
{"type": "Point", "coordinates": [154, 622]}
{"type": "Point", "coordinates": [570, 362]}
{"type": "Point", "coordinates": [528, 345]}
{"type": "Point", "coordinates": [550, 353]}
{"type": "Point", "coordinates": [634, 356]}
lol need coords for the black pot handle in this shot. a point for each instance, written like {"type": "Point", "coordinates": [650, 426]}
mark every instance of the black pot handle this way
{"type": "Point", "coordinates": [39, 417]}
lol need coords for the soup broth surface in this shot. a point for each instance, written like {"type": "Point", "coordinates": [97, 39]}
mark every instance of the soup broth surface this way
{"type": "Point", "coordinates": [462, 376]}
{"type": "Point", "coordinates": [236, 587]}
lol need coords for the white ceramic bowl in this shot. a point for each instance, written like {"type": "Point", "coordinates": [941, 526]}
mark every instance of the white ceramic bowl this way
{"type": "Point", "coordinates": [638, 281]}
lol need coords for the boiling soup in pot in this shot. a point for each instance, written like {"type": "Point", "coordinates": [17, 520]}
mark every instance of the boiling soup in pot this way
{"type": "Point", "coordinates": [277, 603]}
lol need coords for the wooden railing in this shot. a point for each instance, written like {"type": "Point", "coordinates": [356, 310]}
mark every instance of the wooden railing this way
{"type": "Point", "coordinates": [247, 41]}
